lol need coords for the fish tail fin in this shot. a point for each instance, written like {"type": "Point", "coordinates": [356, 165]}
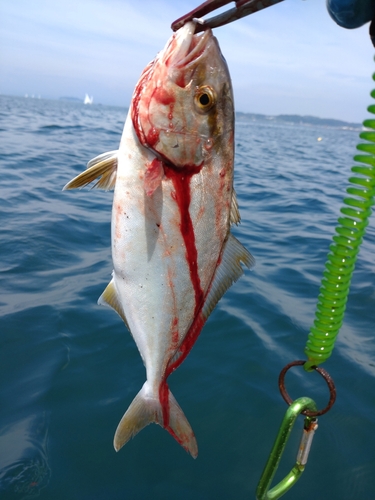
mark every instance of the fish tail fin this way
{"type": "Point", "coordinates": [175, 422]}
{"type": "Point", "coordinates": [162, 409]}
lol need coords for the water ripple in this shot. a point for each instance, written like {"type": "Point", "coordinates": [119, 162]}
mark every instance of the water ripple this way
{"type": "Point", "coordinates": [69, 368]}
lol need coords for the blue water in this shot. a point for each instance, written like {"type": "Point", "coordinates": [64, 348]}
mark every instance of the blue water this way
{"type": "Point", "coordinates": [69, 369]}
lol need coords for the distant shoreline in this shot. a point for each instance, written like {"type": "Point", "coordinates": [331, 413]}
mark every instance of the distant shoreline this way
{"type": "Point", "coordinates": [292, 119]}
{"type": "Point", "coordinates": [298, 120]}
{"type": "Point", "coordinates": [251, 117]}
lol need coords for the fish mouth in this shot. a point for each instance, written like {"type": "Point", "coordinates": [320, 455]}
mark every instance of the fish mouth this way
{"type": "Point", "coordinates": [167, 90]}
{"type": "Point", "coordinates": [186, 47]}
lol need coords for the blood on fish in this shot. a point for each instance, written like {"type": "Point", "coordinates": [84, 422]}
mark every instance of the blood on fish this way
{"type": "Point", "coordinates": [153, 176]}
{"type": "Point", "coordinates": [164, 401]}
{"type": "Point", "coordinates": [181, 183]}
{"type": "Point", "coordinates": [170, 114]}
{"type": "Point", "coordinates": [162, 96]}
{"type": "Point", "coordinates": [152, 137]}
{"type": "Point", "coordinates": [180, 81]}
{"type": "Point", "coordinates": [174, 332]}
{"type": "Point", "coordinates": [208, 145]}
{"type": "Point", "coordinates": [188, 343]}
{"type": "Point", "coordinates": [145, 77]}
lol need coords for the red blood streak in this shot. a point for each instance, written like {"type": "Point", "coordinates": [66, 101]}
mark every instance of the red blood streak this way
{"type": "Point", "coordinates": [144, 79]}
{"type": "Point", "coordinates": [162, 96]}
{"type": "Point", "coordinates": [170, 114]}
{"type": "Point", "coordinates": [153, 176]}
{"type": "Point", "coordinates": [182, 195]}
{"type": "Point", "coordinates": [174, 333]}
{"type": "Point", "coordinates": [164, 401]}
{"type": "Point", "coordinates": [180, 80]}
{"type": "Point", "coordinates": [187, 344]}
{"type": "Point", "coordinates": [181, 183]}
{"type": "Point", "coordinates": [152, 137]}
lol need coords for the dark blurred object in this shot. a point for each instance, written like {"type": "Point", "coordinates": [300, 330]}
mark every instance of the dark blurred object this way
{"type": "Point", "coordinates": [351, 13]}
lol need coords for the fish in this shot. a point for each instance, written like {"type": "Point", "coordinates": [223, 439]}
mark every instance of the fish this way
{"type": "Point", "coordinates": [173, 253]}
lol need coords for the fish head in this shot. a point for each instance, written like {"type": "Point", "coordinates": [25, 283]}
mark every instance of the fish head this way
{"type": "Point", "coordinates": [182, 107]}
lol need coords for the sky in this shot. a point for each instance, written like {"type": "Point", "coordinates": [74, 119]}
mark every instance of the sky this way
{"type": "Point", "coordinates": [290, 58]}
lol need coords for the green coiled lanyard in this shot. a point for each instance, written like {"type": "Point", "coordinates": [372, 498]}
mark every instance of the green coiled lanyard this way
{"type": "Point", "coordinates": [329, 313]}
{"type": "Point", "coordinates": [344, 251]}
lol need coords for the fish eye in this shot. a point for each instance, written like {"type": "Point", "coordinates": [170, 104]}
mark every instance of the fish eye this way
{"type": "Point", "coordinates": [204, 98]}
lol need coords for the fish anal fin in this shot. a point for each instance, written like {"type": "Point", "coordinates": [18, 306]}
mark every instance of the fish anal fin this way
{"type": "Point", "coordinates": [235, 217]}
{"type": "Point", "coordinates": [227, 272]}
{"type": "Point", "coordinates": [110, 297]}
{"type": "Point", "coordinates": [146, 409]}
{"type": "Point", "coordinates": [103, 169]}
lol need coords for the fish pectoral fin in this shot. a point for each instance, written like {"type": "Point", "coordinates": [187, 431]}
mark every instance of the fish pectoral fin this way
{"type": "Point", "coordinates": [103, 168]}
{"type": "Point", "coordinates": [153, 176]}
{"type": "Point", "coordinates": [110, 297]}
{"type": "Point", "coordinates": [144, 410]}
{"type": "Point", "coordinates": [235, 217]}
{"type": "Point", "coordinates": [228, 271]}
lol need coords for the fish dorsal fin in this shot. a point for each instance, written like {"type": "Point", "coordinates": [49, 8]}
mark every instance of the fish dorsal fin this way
{"type": "Point", "coordinates": [228, 271]}
{"type": "Point", "coordinates": [103, 168]}
{"type": "Point", "coordinates": [109, 297]}
{"type": "Point", "coordinates": [235, 217]}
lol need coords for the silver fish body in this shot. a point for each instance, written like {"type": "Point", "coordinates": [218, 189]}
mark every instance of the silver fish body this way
{"type": "Point", "coordinates": [173, 253]}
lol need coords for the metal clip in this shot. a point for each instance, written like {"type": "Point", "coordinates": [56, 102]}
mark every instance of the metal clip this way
{"type": "Point", "coordinates": [243, 8]}
{"type": "Point", "coordinates": [311, 424]}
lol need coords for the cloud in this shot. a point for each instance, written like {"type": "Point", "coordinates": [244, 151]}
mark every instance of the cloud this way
{"type": "Point", "coordinates": [289, 56]}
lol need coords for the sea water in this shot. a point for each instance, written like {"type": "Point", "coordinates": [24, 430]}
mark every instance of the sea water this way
{"type": "Point", "coordinates": [69, 368]}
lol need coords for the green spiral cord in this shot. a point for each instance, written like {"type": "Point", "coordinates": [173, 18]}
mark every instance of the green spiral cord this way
{"type": "Point", "coordinates": [344, 250]}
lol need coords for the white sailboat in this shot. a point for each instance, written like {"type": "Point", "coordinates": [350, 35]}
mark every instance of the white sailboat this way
{"type": "Point", "coordinates": [88, 99]}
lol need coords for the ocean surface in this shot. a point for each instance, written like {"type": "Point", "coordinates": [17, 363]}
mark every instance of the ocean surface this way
{"type": "Point", "coordinates": [69, 368]}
